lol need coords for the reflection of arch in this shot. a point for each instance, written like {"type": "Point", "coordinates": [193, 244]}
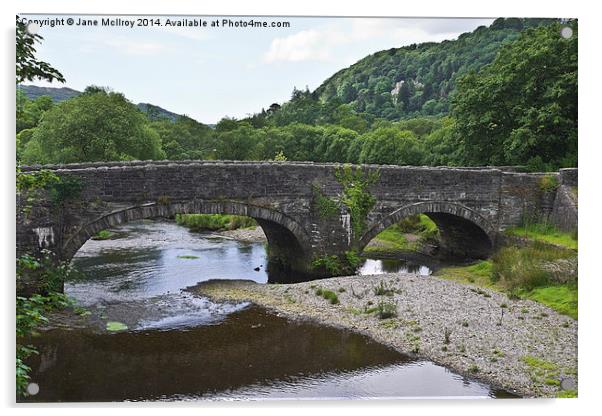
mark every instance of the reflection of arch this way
{"type": "Point", "coordinates": [278, 227]}
{"type": "Point", "coordinates": [473, 234]}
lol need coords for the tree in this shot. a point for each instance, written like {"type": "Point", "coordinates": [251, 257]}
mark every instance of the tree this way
{"type": "Point", "coordinates": [391, 146]}
{"type": "Point", "coordinates": [185, 138]}
{"type": "Point", "coordinates": [28, 66]}
{"type": "Point", "coordinates": [95, 126]}
{"type": "Point", "coordinates": [240, 143]}
{"type": "Point", "coordinates": [523, 106]}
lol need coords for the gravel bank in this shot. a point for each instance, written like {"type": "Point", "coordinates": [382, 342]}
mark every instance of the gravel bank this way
{"type": "Point", "coordinates": [528, 350]}
{"type": "Point", "coordinates": [250, 235]}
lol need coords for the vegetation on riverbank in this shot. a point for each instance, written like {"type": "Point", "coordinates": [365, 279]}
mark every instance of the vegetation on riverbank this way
{"type": "Point", "coordinates": [538, 271]}
{"type": "Point", "coordinates": [546, 233]}
{"type": "Point", "coordinates": [31, 311]}
{"type": "Point", "coordinates": [407, 235]}
{"type": "Point", "coordinates": [214, 222]}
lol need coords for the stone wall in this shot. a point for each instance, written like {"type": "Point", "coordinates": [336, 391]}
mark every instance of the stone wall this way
{"type": "Point", "coordinates": [565, 209]}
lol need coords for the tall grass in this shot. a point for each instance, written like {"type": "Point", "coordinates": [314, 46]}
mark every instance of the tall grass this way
{"type": "Point", "coordinates": [525, 268]}
{"type": "Point", "coordinates": [214, 222]}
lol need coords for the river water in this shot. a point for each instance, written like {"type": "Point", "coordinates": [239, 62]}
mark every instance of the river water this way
{"type": "Point", "coordinates": [182, 347]}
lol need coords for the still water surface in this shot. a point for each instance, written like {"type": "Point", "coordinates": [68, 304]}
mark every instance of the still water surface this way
{"type": "Point", "coordinates": [183, 347]}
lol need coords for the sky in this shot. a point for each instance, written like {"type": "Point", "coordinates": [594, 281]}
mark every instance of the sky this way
{"type": "Point", "coordinates": [210, 72]}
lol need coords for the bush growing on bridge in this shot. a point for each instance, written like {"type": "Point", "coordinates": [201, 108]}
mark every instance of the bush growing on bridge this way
{"type": "Point", "coordinates": [356, 195]}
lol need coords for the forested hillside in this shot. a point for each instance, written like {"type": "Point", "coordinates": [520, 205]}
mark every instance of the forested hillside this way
{"type": "Point", "coordinates": [417, 80]}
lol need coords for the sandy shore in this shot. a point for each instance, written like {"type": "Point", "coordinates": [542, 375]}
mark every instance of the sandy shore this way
{"type": "Point", "coordinates": [528, 350]}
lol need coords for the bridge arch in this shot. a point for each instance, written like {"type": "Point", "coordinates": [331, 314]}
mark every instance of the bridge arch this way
{"type": "Point", "coordinates": [464, 231]}
{"type": "Point", "coordinates": [287, 238]}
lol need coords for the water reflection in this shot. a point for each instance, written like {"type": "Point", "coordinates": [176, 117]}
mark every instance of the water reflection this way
{"type": "Point", "coordinates": [251, 354]}
{"type": "Point", "coordinates": [183, 347]}
{"type": "Point", "coordinates": [380, 266]}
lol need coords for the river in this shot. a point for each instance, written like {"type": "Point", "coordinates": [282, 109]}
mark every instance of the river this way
{"type": "Point", "coordinates": [181, 347]}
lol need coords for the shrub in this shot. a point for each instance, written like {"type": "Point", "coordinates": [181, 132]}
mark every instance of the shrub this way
{"type": "Point", "coordinates": [524, 268]}
{"type": "Point", "coordinates": [383, 290]}
{"type": "Point", "coordinates": [329, 295]}
{"type": "Point", "coordinates": [386, 310]}
{"type": "Point", "coordinates": [331, 263]}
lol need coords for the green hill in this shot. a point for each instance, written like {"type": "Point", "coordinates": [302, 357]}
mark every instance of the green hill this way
{"type": "Point", "coordinates": [32, 92]}
{"type": "Point", "coordinates": [413, 80]}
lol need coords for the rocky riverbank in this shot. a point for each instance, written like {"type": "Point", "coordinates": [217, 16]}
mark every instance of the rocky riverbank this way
{"type": "Point", "coordinates": [249, 235]}
{"type": "Point", "coordinates": [519, 345]}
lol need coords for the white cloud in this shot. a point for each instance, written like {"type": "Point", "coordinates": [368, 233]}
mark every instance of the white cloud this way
{"type": "Point", "coordinates": [131, 47]}
{"type": "Point", "coordinates": [321, 44]}
{"type": "Point", "coordinates": [307, 45]}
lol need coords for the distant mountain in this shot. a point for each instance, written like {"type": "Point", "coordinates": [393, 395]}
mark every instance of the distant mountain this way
{"type": "Point", "coordinates": [57, 94]}
{"type": "Point", "coordinates": [32, 92]}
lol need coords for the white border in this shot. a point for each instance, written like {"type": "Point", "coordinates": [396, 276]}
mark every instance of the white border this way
{"type": "Point", "coordinates": [589, 146]}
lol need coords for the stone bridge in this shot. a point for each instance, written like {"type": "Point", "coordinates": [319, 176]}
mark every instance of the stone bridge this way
{"type": "Point", "coordinates": [470, 206]}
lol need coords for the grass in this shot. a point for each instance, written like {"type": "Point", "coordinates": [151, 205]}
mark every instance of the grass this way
{"type": "Point", "coordinates": [329, 295]}
{"type": "Point", "coordinates": [188, 257]}
{"type": "Point", "coordinates": [103, 235]}
{"type": "Point", "coordinates": [562, 298]}
{"type": "Point", "coordinates": [519, 272]}
{"type": "Point", "coordinates": [393, 239]}
{"type": "Point", "coordinates": [386, 310]}
{"type": "Point", "coordinates": [214, 222]}
{"type": "Point", "coordinates": [383, 290]}
{"type": "Point", "coordinates": [478, 273]}
{"type": "Point", "coordinates": [546, 233]}
{"type": "Point", "coordinates": [114, 326]}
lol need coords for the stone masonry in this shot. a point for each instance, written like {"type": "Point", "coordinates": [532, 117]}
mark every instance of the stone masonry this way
{"type": "Point", "coordinates": [471, 206]}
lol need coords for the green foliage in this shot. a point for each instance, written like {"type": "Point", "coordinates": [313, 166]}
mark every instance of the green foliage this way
{"type": "Point", "coordinates": [386, 310]}
{"type": "Point", "coordinates": [30, 314]}
{"type": "Point", "coordinates": [567, 394]}
{"type": "Point", "coordinates": [188, 257]}
{"type": "Point", "coordinates": [29, 68]}
{"type": "Point", "coordinates": [29, 112]}
{"type": "Point", "coordinates": [391, 146]}
{"type": "Point", "coordinates": [561, 298]}
{"type": "Point", "coordinates": [214, 222]}
{"type": "Point", "coordinates": [185, 138]}
{"type": "Point", "coordinates": [546, 233]}
{"type": "Point", "coordinates": [353, 259]}
{"type": "Point", "coordinates": [327, 207]}
{"type": "Point", "coordinates": [329, 295]}
{"type": "Point", "coordinates": [332, 264]}
{"type": "Point", "coordinates": [522, 109]}
{"type": "Point", "coordinates": [523, 268]}
{"type": "Point", "coordinates": [383, 289]}
{"type": "Point", "coordinates": [412, 80]}
{"type": "Point", "coordinates": [49, 272]}
{"type": "Point", "coordinates": [280, 157]}
{"type": "Point", "coordinates": [94, 126]}
{"type": "Point", "coordinates": [103, 235]}
{"type": "Point", "coordinates": [356, 196]}
{"type": "Point", "coordinates": [65, 189]}
{"type": "Point", "coordinates": [113, 326]}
